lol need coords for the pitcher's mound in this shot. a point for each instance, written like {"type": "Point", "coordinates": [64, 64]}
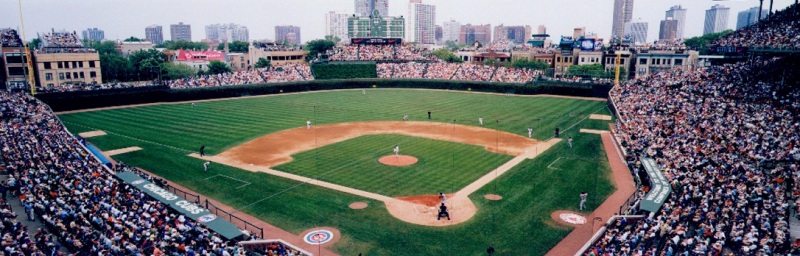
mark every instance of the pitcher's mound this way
{"type": "Point", "coordinates": [401, 160]}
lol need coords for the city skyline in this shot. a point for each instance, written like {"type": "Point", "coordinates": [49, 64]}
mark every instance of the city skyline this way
{"type": "Point", "coordinates": [123, 19]}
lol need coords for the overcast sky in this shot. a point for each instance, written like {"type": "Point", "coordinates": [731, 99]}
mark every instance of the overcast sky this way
{"type": "Point", "coordinates": [124, 18]}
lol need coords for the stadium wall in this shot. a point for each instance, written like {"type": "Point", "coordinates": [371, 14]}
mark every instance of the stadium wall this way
{"type": "Point", "coordinates": [67, 101]}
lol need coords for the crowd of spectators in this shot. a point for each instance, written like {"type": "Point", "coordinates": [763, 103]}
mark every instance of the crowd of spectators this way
{"type": "Point", "coordinates": [272, 47]}
{"type": "Point", "coordinates": [10, 38]}
{"type": "Point", "coordinates": [779, 30]}
{"type": "Point", "coordinates": [378, 53]}
{"type": "Point", "coordinates": [401, 70]}
{"type": "Point", "coordinates": [276, 74]}
{"type": "Point", "coordinates": [456, 71]}
{"type": "Point", "coordinates": [61, 40]}
{"type": "Point", "coordinates": [69, 87]}
{"type": "Point", "coordinates": [83, 206]}
{"type": "Point", "coordinates": [712, 131]}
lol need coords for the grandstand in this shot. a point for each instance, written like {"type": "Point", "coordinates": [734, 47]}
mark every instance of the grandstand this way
{"type": "Point", "coordinates": [726, 139]}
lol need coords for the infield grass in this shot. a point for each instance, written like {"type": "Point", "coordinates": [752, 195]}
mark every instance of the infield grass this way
{"type": "Point", "coordinates": [442, 167]}
{"type": "Point", "coordinates": [519, 224]}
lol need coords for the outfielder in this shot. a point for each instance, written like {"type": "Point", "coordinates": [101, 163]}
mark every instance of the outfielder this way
{"type": "Point", "coordinates": [530, 132]}
{"type": "Point", "coordinates": [583, 200]}
{"type": "Point", "coordinates": [308, 124]}
{"type": "Point", "coordinates": [569, 142]}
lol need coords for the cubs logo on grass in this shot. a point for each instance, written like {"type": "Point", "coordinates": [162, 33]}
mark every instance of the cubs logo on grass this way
{"type": "Point", "coordinates": [572, 218]}
{"type": "Point", "coordinates": [318, 236]}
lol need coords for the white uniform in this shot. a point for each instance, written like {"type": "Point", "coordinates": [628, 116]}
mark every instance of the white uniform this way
{"type": "Point", "coordinates": [583, 200]}
{"type": "Point", "coordinates": [205, 165]}
{"type": "Point", "coordinates": [396, 150]}
{"type": "Point", "coordinates": [308, 124]}
{"type": "Point", "coordinates": [530, 132]}
{"type": "Point", "coordinates": [570, 142]}
{"type": "Point", "coordinates": [480, 120]}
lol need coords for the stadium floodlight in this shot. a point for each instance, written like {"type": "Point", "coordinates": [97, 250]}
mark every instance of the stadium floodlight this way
{"type": "Point", "coordinates": [760, 5]}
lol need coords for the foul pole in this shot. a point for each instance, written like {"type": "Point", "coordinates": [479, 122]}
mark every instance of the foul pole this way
{"type": "Point", "coordinates": [28, 61]}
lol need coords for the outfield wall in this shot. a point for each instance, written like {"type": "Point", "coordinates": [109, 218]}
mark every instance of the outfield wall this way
{"type": "Point", "coordinates": [120, 97]}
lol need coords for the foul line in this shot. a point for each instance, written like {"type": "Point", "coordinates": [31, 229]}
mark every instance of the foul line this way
{"type": "Point", "coordinates": [229, 177]}
{"type": "Point", "coordinates": [129, 137]}
{"type": "Point", "coordinates": [551, 164]}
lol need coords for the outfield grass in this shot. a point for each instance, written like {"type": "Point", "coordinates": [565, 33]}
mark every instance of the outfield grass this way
{"type": "Point", "coordinates": [519, 224]}
{"type": "Point", "coordinates": [443, 166]}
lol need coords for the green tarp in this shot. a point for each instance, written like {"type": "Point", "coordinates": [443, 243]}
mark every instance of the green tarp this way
{"type": "Point", "coordinates": [659, 186]}
{"type": "Point", "coordinates": [189, 209]}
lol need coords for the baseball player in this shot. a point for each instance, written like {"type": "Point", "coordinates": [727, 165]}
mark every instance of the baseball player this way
{"type": "Point", "coordinates": [569, 142]}
{"type": "Point", "coordinates": [583, 200]}
{"type": "Point", "coordinates": [480, 120]}
{"type": "Point", "coordinates": [443, 212]}
{"type": "Point", "coordinates": [205, 166]}
{"type": "Point", "coordinates": [396, 150]}
{"type": "Point", "coordinates": [405, 117]}
{"type": "Point", "coordinates": [308, 124]}
{"type": "Point", "coordinates": [203, 150]}
{"type": "Point", "coordinates": [443, 198]}
{"type": "Point", "coordinates": [193, 104]}
{"type": "Point", "coordinates": [530, 132]}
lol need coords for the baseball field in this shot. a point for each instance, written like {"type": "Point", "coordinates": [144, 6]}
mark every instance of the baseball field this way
{"type": "Point", "coordinates": [268, 164]}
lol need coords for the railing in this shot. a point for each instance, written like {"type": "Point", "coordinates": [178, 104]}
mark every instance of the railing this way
{"type": "Point", "coordinates": [250, 227]}
{"type": "Point", "coordinates": [186, 195]}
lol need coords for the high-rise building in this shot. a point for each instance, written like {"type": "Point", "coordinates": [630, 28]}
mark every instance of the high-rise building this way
{"type": "Point", "coordinates": [515, 34]}
{"type": "Point", "coordinates": [678, 14]}
{"type": "Point", "coordinates": [154, 34]}
{"type": "Point", "coordinates": [227, 33]}
{"type": "Point", "coordinates": [637, 30]}
{"type": "Point", "coordinates": [716, 19]}
{"type": "Point", "coordinates": [93, 34]}
{"type": "Point", "coordinates": [365, 8]}
{"type": "Point", "coordinates": [470, 34]}
{"type": "Point", "coordinates": [439, 34]}
{"type": "Point", "coordinates": [623, 13]}
{"type": "Point", "coordinates": [421, 23]}
{"type": "Point", "coordinates": [450, 30]}
{"type": "Point", "coordinates": [541, 30]}
{"type": "Point", "coordinates": [336, 25]}
{"type": "Point", "coordinates": [668, 29]}
{"type": "Point", "coordinates": [290, 35]}
{"type": "Point", "coordinates": [578, 32]}
{"type": "Point", "coordinates": [749, 17]}
{"type": "Point", "coordinates": [180, 32]}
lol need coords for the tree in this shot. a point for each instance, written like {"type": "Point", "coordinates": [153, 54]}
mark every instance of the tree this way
{"type": "Point", "coordinates": [107, 47]}
{"type": "Point", "coordinates": [454, 46]}
{"type": "Point", "coordinates": [334, 39]}
{"type": "Point", "coordinates": [132, 39]}
{"type": "Point", "coordinates": [218, 67]}
{"type": "Point", "coordinates": [263, 63]}
{"type": "Point", "coordinates": [235, 46]}
{"type": "Point", "coordinates": [182, 44]}
{"type": "Point", "coordinates": [491, 62]}
{"type": "Point", "coordinates": [145, 63]}
{"type": "Point", "coordinates": [318, 46]}
{"type": "Point", "coordinates": [445, 55]}
{"type": "Point", "coordinates": [177, 71]}
{"type": "Point", "coordinates": [35, 43]}
{"type": "Point", "coordinates": [116, 68]}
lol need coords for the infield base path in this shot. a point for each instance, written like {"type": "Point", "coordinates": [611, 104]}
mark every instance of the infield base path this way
{"type": "Point", "coordinates": [260, 154]}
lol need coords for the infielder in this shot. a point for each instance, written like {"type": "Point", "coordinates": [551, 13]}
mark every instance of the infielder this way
{"type": "Point", "coordinates": [396, 150]}
{"type": "Point", "coordinates": [308, 124]}
{"type": "Point", "coordinates": [205, 166]}
{"type": "Point", "coordinates": [530, 132]}
{"type": "Point", "coordinates": [583, 200]}
{"type": "Point", "coordinates": [480, 120]}
{"type": "Point", "coordinates": [569, 142]}
{"type": "Point", "coordinates": [405, 117]}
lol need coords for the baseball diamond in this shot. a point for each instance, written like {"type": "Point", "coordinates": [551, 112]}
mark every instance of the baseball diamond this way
{"type": "Point", "coordinates": [300, 178]}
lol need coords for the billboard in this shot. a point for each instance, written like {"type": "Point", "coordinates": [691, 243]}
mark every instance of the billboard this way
{"type": "Point", "coordinates": [587, 44]}
{"type": "Point", "coordinates": [598, 44]}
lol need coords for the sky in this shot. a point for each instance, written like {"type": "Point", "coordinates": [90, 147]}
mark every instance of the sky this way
{"type": "Point", "coordinates": [124, 18]}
